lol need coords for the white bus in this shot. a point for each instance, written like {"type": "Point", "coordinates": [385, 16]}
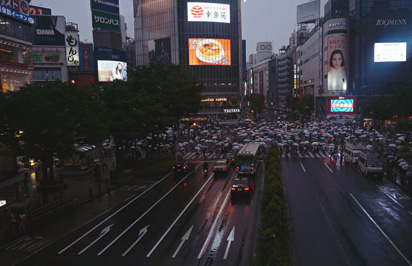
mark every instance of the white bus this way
{"type": "Point", "coordinates": [369, 164]}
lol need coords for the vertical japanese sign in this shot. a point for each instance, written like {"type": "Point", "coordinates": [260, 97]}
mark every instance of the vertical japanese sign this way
{"type": "Point", "coordinates": [72, 48]}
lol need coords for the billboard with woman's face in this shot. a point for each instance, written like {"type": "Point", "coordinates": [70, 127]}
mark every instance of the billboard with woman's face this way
{"type": "Point", "coordinates": [337, 63]}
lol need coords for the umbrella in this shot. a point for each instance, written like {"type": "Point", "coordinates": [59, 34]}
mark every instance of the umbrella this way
{"type": "Point", "coordinates": [393, 145]}
{"type": "Point", "coordinates": [401, 164]}
{"type": "Point", "coordinates": [295, 144]}
{"type": "Point", "coordinates": [315, 143]}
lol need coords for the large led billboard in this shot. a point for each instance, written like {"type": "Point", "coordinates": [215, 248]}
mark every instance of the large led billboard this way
{"type": "Point", "coordinates": [390, 52]}
{"type": "Point", "coordinates": [49, 30]}
{"type": "Point", "coordinates": [208, 12]}
{"type": "Point", "coordinates": [337, 62]}
{"type": "Point", "coordinates": [111, 70]}
{"type": "Point", "coordinates": [341, 106]}
{"type": "Point", "coordinates": [209, 52]}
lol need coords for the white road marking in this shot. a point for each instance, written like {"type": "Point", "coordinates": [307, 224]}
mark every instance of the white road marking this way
{"type": "Point", "coordinates": [184, 238]}
{"type": "Point", "coordinates": [328, 168]}
{"type": "Point", "coordinates": [142, 232]}
{"type": "Point", "coordinates": [109, 217]}
{"type": "Point", "coordinates": [178, 217]}
{"type": "Point", "coordinates": [102, 234]}
{"type": "Point", "coordinates": [304, 170]}
{"type": "Point", "coordinates": [138, 219]}
{"type": "Point", "coordinates": [213, 226]}
{"type": "Point", "coordinates": [380, 229]}
{"type": "Point", "coordinates": [390, 196]}
{"type": "Point", "coordinates": [230, 239]}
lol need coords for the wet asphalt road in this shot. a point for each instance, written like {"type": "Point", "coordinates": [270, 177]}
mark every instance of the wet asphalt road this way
{"type": "Point", "coordinates": [341, 217]}
{"type": "Point", "coordinates": [189, 221]}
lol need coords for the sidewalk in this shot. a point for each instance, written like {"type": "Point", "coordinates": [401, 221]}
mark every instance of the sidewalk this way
{"type": "Point", "coordinates": [81, 189]}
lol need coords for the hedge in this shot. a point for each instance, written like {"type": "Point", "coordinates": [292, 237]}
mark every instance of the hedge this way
{"type": "Point", "coordinates": [274, 244]}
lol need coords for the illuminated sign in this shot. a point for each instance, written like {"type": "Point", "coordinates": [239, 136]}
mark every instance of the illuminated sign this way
{"type": "Point", "coordinates": [16, 15]}
{"type": "Point", "coordinates": [337, 63]}
{"type": "Point", "coordinates": [214, 100]}
{"type": "Point", "coordinates": [21, 6]}
{"type": "Point", "coordinates": [72, 49]}
{"type": "Point", "coordinates": [107, 21]}
{"type": "Point", "coordinates": [209, 52]}
{"type": "Point", "coordinates": [208, 12]}
{"type": "Point", "coordinates": [40, 11]}
{"type": "Point", "coordinates": [390, 52]}
{"type": "Point", "coordinates": [229, 111]}
{"type": "Point", "coordinates": [111, 70]}
{"type": "Point", "coordinates": [341, 105]}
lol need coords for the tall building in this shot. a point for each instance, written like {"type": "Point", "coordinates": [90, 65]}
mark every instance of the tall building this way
{"type": "Point", "coordinates": [203, 37]}
{"type": "Point", "coordinates": [380, 45]}
{"type": "Point", "coordinates": [16, 68]}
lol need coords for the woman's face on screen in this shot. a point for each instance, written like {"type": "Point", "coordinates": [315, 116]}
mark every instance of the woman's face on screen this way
{"type": "Point", "coordinates": [337, 60]}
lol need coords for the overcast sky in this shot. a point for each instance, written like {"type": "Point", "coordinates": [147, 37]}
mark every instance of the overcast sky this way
{"type": "Point", "coordinates": [262, 20]}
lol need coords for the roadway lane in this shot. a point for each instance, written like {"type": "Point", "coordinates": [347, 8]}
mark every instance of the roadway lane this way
{"type": "Point", "coordinates": [183, 224]}
{"type": "Point", "coordinates": [334, 210]}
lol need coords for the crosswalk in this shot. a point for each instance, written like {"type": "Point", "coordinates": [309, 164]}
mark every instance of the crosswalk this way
{"type": "Point", "coordinates": [213, 156]}
{"type": "Point", "coordinates": [208, 155]}
{"type": "Point", "coordinates": [308, 154]}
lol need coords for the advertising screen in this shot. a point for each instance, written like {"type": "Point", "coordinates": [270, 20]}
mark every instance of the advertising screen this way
{"type": "Point", "coordinates": [308, 12]}
{"type": "Point", "coordinates": [337, 63]}
{"type": "Point", "coordinates": [341, 105]}
{"type": "Point", "coordinates": [390, 52]}
{"type": "Point", "coordinates": [111, 70]}
{"type": "Point", "coordinates": [209, 52]}
{"type": "Point", "coordinates": [208, 12]}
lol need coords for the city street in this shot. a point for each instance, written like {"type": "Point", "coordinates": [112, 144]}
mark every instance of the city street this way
{"type": "Point", "coordinates": [341, 217]}
{"type": "Point", "coordinates": [192, 222]}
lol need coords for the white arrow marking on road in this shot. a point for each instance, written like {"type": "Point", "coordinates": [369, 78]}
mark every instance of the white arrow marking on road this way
{"type": "Point", "coordinates": [102, 233]}
{"type": "Point", "coordinates": [230, 238]}
{"type": "Point", "coordinates": [142, 232]}
{"type": "Point", "coordinates": [184, 238]}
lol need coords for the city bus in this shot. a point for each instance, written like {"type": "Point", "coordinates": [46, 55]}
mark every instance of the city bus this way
{"type": "Point", "coordinates": [247, 158]}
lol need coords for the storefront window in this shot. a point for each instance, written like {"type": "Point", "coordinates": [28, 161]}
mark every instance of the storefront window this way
{"type": "Point", "coordinates": [47, 74]}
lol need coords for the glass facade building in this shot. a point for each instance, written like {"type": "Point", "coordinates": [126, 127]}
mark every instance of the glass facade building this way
{"type": "Point", "coordinates": [203, 37]}
{"type": "Point", "coordinates": [374, 23]}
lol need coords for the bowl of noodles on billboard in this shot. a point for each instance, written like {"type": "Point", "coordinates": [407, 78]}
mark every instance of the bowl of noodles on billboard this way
{"type": "Point", "coordinates": [210, 51]}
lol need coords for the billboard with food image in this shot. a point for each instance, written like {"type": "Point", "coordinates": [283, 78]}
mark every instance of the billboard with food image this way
{"type": "Point", "coordinates": [209, 52]}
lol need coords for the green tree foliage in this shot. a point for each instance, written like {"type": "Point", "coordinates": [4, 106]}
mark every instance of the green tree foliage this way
{"type": "Point", "coordinates": [257, 102]}
{"type": "Point", "coordinates": [47, 119]}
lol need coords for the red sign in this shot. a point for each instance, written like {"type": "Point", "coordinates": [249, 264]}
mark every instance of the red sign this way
{"type": "Point", "coordinates": [86, 57]}
{"type": "Point", "coordinates": [21, 6]}
{"type": "Point", "coordinates": [197, 11]}
{"type": "Point", "coordinates": [12, 64]}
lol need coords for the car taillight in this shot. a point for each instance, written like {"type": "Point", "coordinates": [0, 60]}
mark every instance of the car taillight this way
{"type": "Point", "coordinates": [224, 169]}
{"type": "Point", "coordinates": [233, 159]}
{"type": "Point", "coordinates": [184, 168]}
{"type": "Point", "coordinates": [246, 188]}
{"type": "Point", "coordinates": [253, 168]}
{"type": "Point", "coordinates": [233, 188]}
{"type": "Point", "coordinates": [214, 168]}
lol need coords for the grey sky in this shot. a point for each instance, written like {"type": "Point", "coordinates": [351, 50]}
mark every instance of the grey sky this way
{"type": "Point", "coordinates": [262, 20]}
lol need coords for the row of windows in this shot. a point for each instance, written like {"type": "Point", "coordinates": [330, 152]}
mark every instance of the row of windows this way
{"type": "Point", "coordinates": [15, 29]}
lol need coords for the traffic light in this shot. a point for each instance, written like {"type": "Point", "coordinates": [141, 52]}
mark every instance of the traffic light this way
{"type": "Point", "coordinates": [194, 123]}
{"type": "Point", "coordinates": [73, 81]}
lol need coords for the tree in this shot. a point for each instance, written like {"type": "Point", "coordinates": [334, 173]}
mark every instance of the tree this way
{"type": "Point", "coordinates": [257, 102]}
{"type": "Point", "coordinates": [47, 119]}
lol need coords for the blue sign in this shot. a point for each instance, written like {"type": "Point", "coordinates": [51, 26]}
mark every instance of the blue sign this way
{"type": "Point", "coordinates": [104, 53]}
{"type": "Point", "coordinates": [341, 106]}
{"type": "Point", "coordinates": [17, 15]}
{"type": "Point", "coordinates": [108, 6]}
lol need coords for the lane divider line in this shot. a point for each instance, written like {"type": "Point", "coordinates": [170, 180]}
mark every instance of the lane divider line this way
{"type": "Point", "coordinates": [304, 170]}
{"type": "Point", "coordinates": [328, 168]}
{"type": "Point", "coordinates": [380, 229]}
{"type": "Point", "coordinates": [109, 217]}
{"type": "Point", "coordinates": [178, 217]}
{"type": "Point", "coordinates": [213, 226]}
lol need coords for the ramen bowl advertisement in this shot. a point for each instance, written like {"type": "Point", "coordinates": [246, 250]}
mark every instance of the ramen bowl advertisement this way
{"type": "Point", "coordinates": [209, 52]}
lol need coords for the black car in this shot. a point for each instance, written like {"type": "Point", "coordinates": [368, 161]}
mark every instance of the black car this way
{"type": "Point", "coordinates": [242, 186]}
{"type": "Point", "coordinates": [231, 157]}
{"type": "Point", "coordinates": [182, 169]}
